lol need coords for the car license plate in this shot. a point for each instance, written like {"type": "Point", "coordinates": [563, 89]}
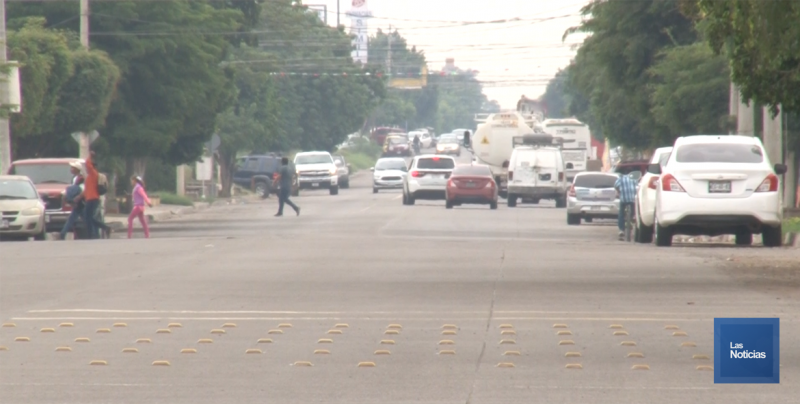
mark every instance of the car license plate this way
{"type": "Point", "coordinates": [315, 184]}
{"type": "Point", "coordinates": [4, 224]}
{"type": "Point", "coordinates": [719, 187]}
{"type": "Point", "coordinates": [471, 185]}
{"type": "Point", "coordinates": [597, 207]}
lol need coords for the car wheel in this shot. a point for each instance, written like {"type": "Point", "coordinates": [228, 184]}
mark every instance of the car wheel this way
{"type": "Point", "coordinates": [448, 205]}
{"type": "Point", "coordinates": [535, 201]}
{"type": "Point", "coordinates": [744, 237]}
{"type": "Point", "coordinates": [512, 201]}
{"type": "Point", "coordinates": [643, 234]}
{"type": "Point", "coordinates": [493, 205]}
{"type": "Point", "coordinates": [262, 190]}
{"type": "Point", "coordinates": [335, 190]}
{"type": "Point", "coordinates": [41, 236]}
{"type": "Point", "coordinates": [573, 220]}
{"type": "Point", "coordinates": [346, 184]}
{"type": "Point", "coordinates": [561, 202]}
{"type": "Point", "coordinates": [663, 235]}
{"type": "Point", "coordinates": [588, 219]}
{"type": "Point", "coordinates": [772, 236]}
{"type": "Point", "coordinates": [374, 190]}
{"type": "Point", "coordinates": [410, 200]}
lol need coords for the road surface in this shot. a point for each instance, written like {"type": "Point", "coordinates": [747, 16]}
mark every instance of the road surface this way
{"type": "Point", "coordinates": [590, 319]}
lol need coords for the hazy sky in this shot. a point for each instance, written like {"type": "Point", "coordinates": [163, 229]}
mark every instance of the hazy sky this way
{"type": "Point", "coordinates": [514, 57]}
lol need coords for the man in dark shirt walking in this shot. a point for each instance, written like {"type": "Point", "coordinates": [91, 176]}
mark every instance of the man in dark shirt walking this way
{"type": "Point", "coordinates": [285, 176]}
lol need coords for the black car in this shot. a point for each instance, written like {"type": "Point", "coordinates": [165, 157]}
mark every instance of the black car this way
{"type": "Point", "coordinates": [256, 172]}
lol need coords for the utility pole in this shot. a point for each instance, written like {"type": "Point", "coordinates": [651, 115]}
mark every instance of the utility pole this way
{"type": "Point", "coordinates": [5, 129]}
{"type": "Point", "coordinates": [389, 52]}
{"type": "Point", "coordinates": [337, 13]}
{"type": "Point", "coordinates": [84, 141]}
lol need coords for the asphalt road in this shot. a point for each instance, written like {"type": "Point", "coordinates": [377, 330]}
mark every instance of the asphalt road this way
{"type": "Point", "coordinates": [357, 263]}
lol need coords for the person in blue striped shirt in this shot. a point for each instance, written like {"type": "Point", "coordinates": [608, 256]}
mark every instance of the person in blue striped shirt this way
{"type": "Point", "coordinates": [626, 188]}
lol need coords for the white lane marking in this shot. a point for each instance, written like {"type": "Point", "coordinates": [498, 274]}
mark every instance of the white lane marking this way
{"type": "Point", "coordinates": [398, 197]}
{"type": "Point", "coordinates": [366, 209]}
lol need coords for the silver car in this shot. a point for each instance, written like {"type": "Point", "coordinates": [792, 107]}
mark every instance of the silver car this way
{"type": "Point", "coordinates": [591, 196]}
{"type": "Point", "coordinates": [388, 173]}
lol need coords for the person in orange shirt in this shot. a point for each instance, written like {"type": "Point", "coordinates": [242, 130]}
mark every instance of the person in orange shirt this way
{"type": "Point", "coordinates": [92, 197]}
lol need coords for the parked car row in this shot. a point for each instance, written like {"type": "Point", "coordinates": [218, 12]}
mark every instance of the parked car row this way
{"type": "Point", "coordinates": [314, 170]}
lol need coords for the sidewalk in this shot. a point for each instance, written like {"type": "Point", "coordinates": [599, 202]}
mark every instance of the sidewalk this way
{"type": "Point", "coordinates": [155, 214]}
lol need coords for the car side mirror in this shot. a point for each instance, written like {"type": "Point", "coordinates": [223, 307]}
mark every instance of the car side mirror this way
{"type": "Point", "coordinates": [372, 169]}
{"type": "Point", "coordinates": [654, 169]}
{"type": "Point", "coordinates": [781, 169]}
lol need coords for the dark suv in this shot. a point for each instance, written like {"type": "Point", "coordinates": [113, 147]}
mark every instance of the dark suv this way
{"type": "Point", "coordinates": [255, 172]}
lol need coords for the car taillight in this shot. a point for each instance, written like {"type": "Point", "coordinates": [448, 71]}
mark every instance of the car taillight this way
{"type": "Point", "coordinates": [669, 183]}
{"type": "Point", "coordinates": [571, 191]}
{"type": "Point", "coordinates": [510, 175]}
{"type": "Point", "coordinates": [561, 176]}
{"type": "Point", "coordinates": [415, 174]}
{"type": "Point", "coordinates": [770, 184]}
{"type": "Point", "coordinates": [490, 184]}
{"type": "Point", "coordinates": [652, 183]}
{"type": "Point", "coordinates": [451, 184]}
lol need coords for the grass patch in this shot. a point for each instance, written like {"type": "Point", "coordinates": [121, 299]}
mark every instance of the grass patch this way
{"type": "Point", "coordinates": [791, 225]}
{"type": "Point", "coordinates": [362, 155]}
{"type": "Point", "coordinates": [173, 199]}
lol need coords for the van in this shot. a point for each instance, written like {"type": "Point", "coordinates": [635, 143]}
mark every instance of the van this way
{"type": "Point", "coordinates": [536, 173]}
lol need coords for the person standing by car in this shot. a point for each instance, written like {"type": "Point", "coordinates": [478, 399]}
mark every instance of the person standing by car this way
{"type": "Point", "coordinates": [73, 193]}
{"type": "Point", "coordinates": [285, 176]}
{"type": "Point", "coordinates": [626, 188]}
{"type": "Point", "coordinates": [139, 200]}
{"type": "Point", "coordinates": [91, 196]}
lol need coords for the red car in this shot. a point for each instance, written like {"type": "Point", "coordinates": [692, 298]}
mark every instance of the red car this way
{"type": "Point", "coordinates": [472, 184]}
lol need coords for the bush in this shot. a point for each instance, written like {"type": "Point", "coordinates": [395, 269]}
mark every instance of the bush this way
{"type": "Point", "coordinates": [791, 225]}
{"type": "Point", "coordinates": [362, 155]}
{"type": "Point", "coordinates": [173, 199]}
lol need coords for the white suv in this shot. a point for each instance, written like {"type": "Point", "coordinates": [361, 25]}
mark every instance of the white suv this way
{"type": "Point", "coordinates": [427, 178]}
{"type": "Point", "coordinates": [316, 170]}
{"type": "Point", "coordinates": [646, 198]}
{"type": "Point", "coordinates": [715, 185]}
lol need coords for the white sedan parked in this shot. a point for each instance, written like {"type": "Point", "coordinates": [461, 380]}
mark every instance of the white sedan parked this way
{"type": "Point", "coordinates": [715, 185]}
{"type": "Point", "coordinates": [646, 198]}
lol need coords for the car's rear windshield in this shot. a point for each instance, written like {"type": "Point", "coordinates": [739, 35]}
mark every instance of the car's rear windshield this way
{"type": "Point", "coordinates": [719, 153]}
{"type": "Point", "coordinates": [448, 139]}
{"type": "Point", "coordinates": [17, 189]}
{"type": "Point", "coordinates": [44, 173]}
{"type": "Point", "coordinates": [435, 163]}
{"type": "Point", "coordinates": [313, 159]}
{"type": "Point", "coordinates": [535, 158]}
{"type": "Point", "coordinates": [595, 181]}
{"type": "Point", "coordinates": [472, 170]}
{"type": "Point", "coordinates": [390, 165]}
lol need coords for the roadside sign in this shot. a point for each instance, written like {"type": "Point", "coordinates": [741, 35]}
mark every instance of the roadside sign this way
{"type": "Point", "coordinates": [485, 140]}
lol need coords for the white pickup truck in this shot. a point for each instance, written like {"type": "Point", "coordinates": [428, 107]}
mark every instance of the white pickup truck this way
{"type": "Point", "coordinates": [317, 170]}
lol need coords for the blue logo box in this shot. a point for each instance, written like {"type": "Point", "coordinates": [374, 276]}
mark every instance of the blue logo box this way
{"type": "Point", "coordinates": [747, 350]}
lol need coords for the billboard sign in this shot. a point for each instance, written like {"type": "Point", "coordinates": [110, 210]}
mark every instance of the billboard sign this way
{"type": "Point", "coordinates": [359, 14]}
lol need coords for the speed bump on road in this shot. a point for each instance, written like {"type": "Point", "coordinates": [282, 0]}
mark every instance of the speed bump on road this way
{"type": "Point", "coordinates": [508, 332]}
{"type": "Point", "coordinates": [229, 325]}
{"type": "Point", "coordinates": [342, 325]}
{"type": "Point", "coordinates": [671, 327]}
{"type": "Point", "coordinates": [395, 327]}
{"type": "Point", "coordinates": [303, 363]}
{"type": "Point", "coordinates": [447, 352]}
{"type": "Point", "coordinates": [164, 331]}
{"type": "Point", "coordinates": [705, 367]}
{"type": "Point", "coordinates": [98, 363]}
{"type": "Point", "coordinates": [143, 341]}
{"type": "Point", "coordinates": [511, 353]}
{"type": "Point", "coordinates": [325, 341]}
{"type": "Point", "coordinates": [507, 341]}
{"type": "Point", "coordinates": [66, 325]}
{"type": "Point", "coordinates": [334, 331]}
{"type": "Point", "coordinates": [700, 357]}
{"type": "Point", "coordinates": [572, 355]}
{"type": "Point", "coordinates": [174, 325]}
{"type": "Point", "coordinates": [103, 330]}
{"type": "Point", "coordinates": [627, 343]}
{"type": "Point", "coordinates": [160, 363]}
{"type": "Point", "coordinates": [253, 351]}
{"type": "Point", "coordinates": [3, 348]}
{"type": "Point", "coordinates": [48, 330]}
{"type": "Point", "coordinates": [382, 352]}
{"type": "Point", "coordinates": [275, 332]}
{"type": "Point", "coordinates": [635, 355]}
{"type": "Point", "coordinates": [564, 332]}
{"type": "Point", "coordinates": [505, 326]}
{"type": "Point", "coordinates": [680, 334]}
{"type": "Point", "coordinates": [322, 352]}
{"type": "Point", "coordinates": [22, 339]}
{"type": "Point", "coordinates": [447, 342]}
{"type": "Point", "coordinates": [218, 331]}
{"type": "Point", "coordinates": [559, 326]}
{"type": "Point", "coordinates": [688, 345]}
{"type": "Point", "coordinates": [9, 325]}
{"type": "Point", "coordinates": [449, 327]}
{"type": "Point", "coordinates": [640, 367]}
{"type": "Point", "coordinates": [623, 333]}
{"type": "Point", "coordinates": [81, 339]}
{"type": "Point", "coordinates": [188, 351]}
{"type": "Point", "coordinates": [63, 349]}
{"type": "Point", "coordinates": [130, 350]}
{"type": "Point", "coordinates": [566, 342]}
{"type": "Point", "coordinates": [366, 364]}
{"type": "Point", "coordinates": [505, 365]}
{"type": "Point", "coordinates": [120, 325]}
{"type": "Point", "coordinates": [615, 326]}
{"type": "Point", "coordinates": [387, 342]}
{"type": "Point", "coordinates": [391, 332]}
{"type": "Point", "coordinates": [449, 332]}
{"type": "Point", "coordinates": [573, 366]}
{"type": "Point", "coordinates": [205, 341]}
{"type": "Point", "coordinates": [264, 341]}
{"type": "Point", "coordinates": [284, 325]}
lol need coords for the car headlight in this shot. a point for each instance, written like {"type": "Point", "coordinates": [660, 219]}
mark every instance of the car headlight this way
{"type": "Point", "coordinates": [333, 171]}
{"type": "Point", "coordinates": [31, 212]}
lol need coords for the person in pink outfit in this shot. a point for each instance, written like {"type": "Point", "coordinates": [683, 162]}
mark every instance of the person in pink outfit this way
{"type": "Point", "coordinates": [139, 200]}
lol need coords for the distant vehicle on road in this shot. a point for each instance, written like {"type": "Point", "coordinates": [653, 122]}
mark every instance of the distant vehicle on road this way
{"type": "Point", "coordinates": [427, 178]}
{"type": "Point", "coordinates": [21, 209]}
{"type": "Point", "coordinates": [378, 135]}
{"type": "Point", "coordinates": [471, 184]}
{"type": "Point", "coordinates": [396, 145]}
{"type": "Point", "coordinates": [627, 167]}
{"type": "Point", "coordinates": [388, 173]}
{"type": "Point", "coordinates": [449, 144]}
{"type": "Point", "coordinates": [592, 196]}
{"type": "Point", "coordinates": [646, 198]}
{"type": "Point", "coordinates": [715, 185]}
{"type": "Point", "coordinates": [425, 138]}
{"type": "Point", "coordinates": [256, 172]}
{"type": "Point", "coordinates": [316, 170]}
{"type": "Point", "coordinates": [577, 143]}
{"type": "Point", "coordinates": [344, 171]}
{"type": "Point", "coordinates": [536, 173]}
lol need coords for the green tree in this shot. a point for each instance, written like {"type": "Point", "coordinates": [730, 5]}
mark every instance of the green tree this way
{"type": "Point", "coordinates": [556, 97]}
